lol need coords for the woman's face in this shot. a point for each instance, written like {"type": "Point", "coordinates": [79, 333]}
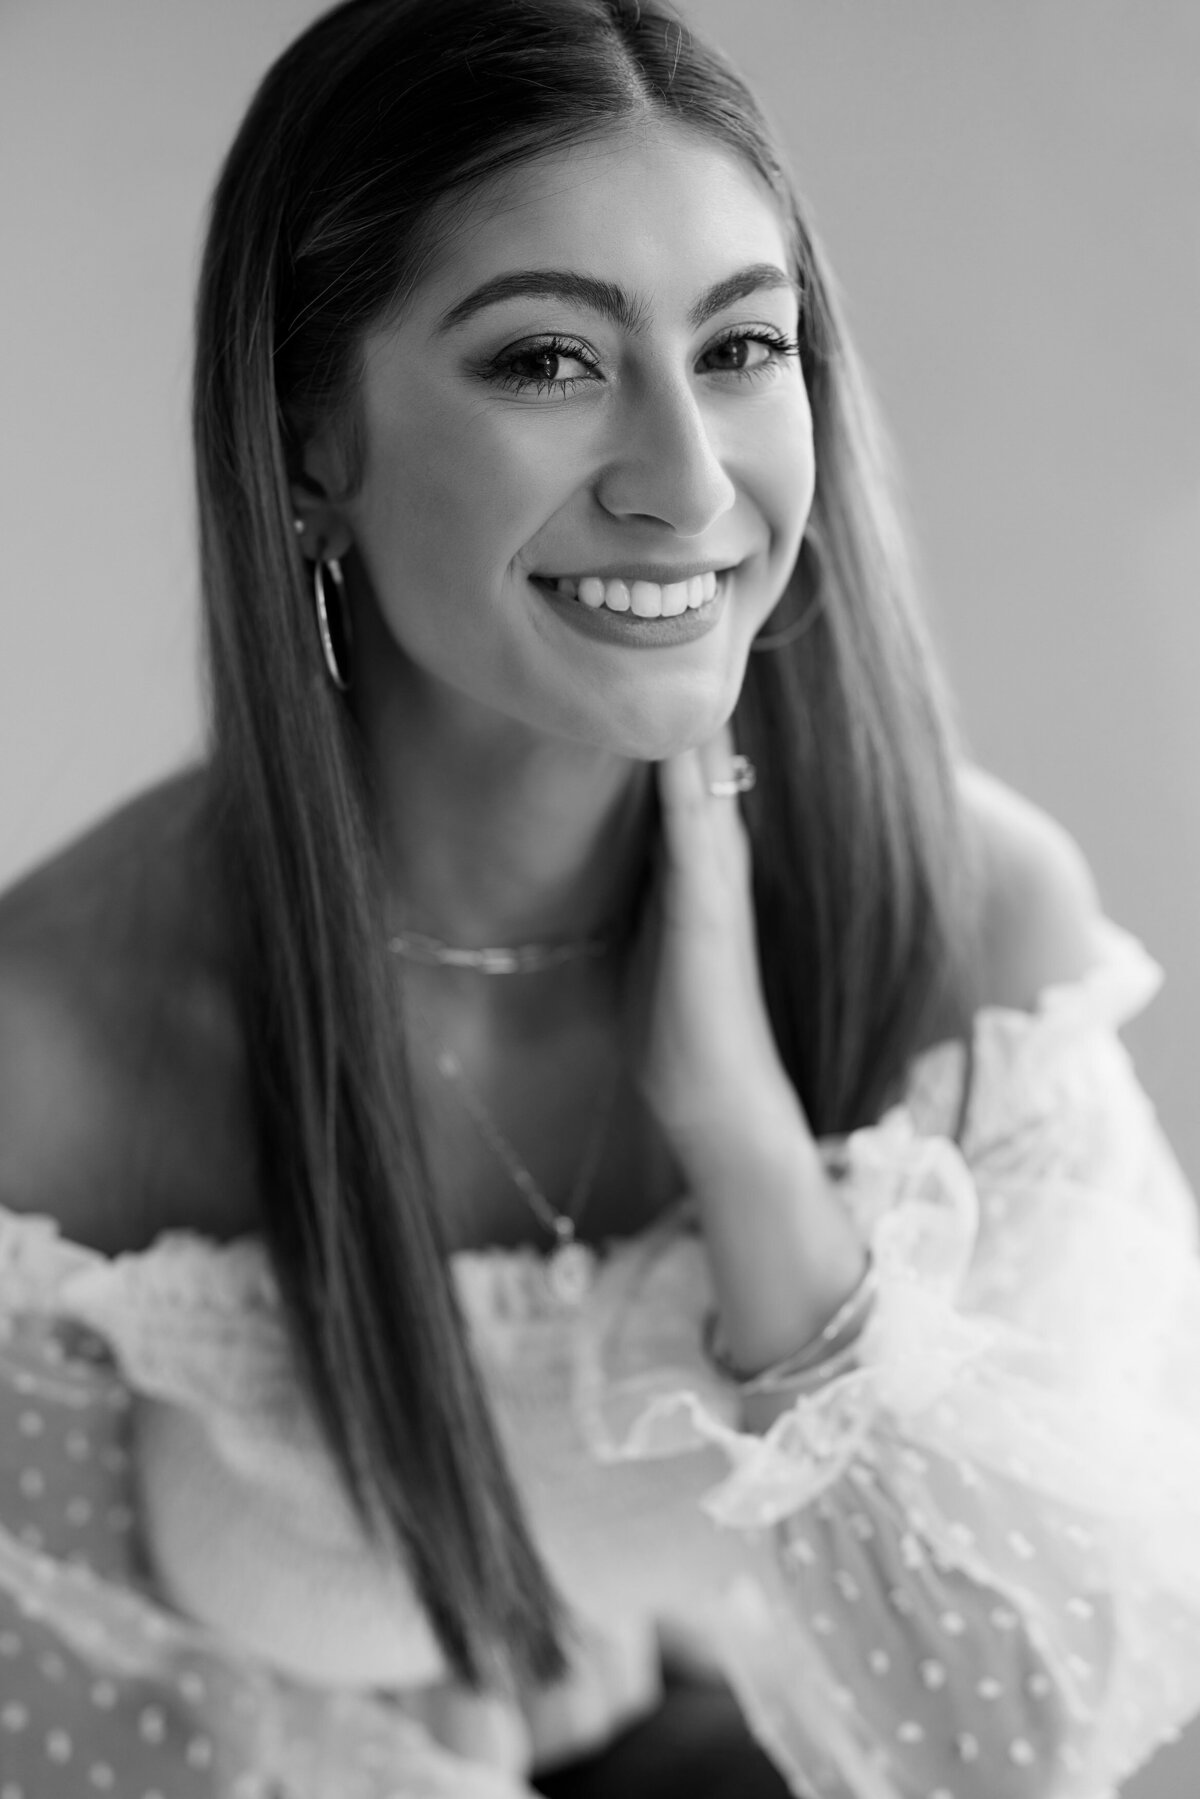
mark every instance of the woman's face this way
{"type": "Point", "coordinates": [595, 383]}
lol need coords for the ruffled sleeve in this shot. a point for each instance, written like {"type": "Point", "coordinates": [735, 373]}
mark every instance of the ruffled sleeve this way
{"type": "Point", "coordinates": [106, 1686]}
{"type": "Point", "coordinates": [972, 1562]}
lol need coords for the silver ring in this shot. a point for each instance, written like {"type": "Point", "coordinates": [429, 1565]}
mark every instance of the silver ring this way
{"type": "Point", "coordinates": [743, 775]}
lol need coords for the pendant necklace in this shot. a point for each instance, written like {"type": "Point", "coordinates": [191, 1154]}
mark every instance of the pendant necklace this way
{"type": "Point", "coordinates": [570, 1264]}
{"type": "Point", "coordinates": [569, 1267]}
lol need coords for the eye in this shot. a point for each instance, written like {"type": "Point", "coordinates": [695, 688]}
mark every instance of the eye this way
{"type": "Point", "coordinates": [553, 365]}
{"type": "Point", "coordinates": [748, 354]}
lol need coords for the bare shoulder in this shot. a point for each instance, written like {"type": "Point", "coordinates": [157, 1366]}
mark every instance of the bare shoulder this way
{"type": "Point", "coordinates": [122, 1111]}
{"type": "Point", "coordinates": [1038, 905]}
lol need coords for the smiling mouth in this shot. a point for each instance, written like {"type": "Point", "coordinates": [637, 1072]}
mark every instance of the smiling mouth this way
{"type": "Point", "coordinates": [641, 599]}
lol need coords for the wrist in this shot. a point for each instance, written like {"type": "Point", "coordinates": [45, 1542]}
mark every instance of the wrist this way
{"type": "Point", "coordinates": [784, 1251]}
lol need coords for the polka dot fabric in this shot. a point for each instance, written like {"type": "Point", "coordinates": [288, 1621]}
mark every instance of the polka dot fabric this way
{"type": "Point", "coordinates": [69, 1510]}
{"type": "Point", "coordinates": [64, 1731]}
{"type": "Point", "coordinates": [967, 1569]}
{"type": "Point", "coordinates": [976, 1555]}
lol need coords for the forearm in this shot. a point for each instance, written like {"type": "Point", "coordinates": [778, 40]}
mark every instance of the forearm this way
{"type": "Point", "coordinates": [784, 1251]}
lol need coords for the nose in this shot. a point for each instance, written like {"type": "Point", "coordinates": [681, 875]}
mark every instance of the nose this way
{"type": "Point", "coordinates": [664, 465]}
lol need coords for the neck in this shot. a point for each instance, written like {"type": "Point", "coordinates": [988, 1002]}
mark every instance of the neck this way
{"type": "Point", "coordinates": [496, 834]}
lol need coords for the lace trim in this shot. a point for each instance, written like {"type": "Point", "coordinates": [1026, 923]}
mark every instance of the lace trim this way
{"type": "Point", "coordinates": [216, 1307]}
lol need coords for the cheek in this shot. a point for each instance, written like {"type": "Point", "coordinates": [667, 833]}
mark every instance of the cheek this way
{"type": "Point", "coordinates": [785, 474]}
{"type": "Point", "coordinates": [451, 493]}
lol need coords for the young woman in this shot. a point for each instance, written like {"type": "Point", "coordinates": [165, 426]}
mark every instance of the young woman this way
{"type": "Point", "coordinates": [582, 1120]}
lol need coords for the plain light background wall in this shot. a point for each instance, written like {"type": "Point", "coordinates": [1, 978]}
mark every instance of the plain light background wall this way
{"type": "Point", "coordinates": [1009, 194]}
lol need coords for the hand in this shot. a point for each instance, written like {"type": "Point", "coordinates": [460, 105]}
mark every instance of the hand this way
{"type": "Point", "coordinates": [700, 1037]}
{"type": "Point", "coordinates": [782, 1249]}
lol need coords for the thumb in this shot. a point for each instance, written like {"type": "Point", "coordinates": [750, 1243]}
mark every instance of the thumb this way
{"type": "Point", "coordinates": [683, 787]}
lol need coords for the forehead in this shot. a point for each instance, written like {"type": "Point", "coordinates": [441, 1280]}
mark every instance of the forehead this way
{"type": "Point", "coordinates": [657, 206]}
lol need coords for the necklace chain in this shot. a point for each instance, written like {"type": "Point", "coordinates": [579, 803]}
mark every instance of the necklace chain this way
{"type": "Point", "coordinates": [563, 1224]}
{"type": "Point", "coordinates": [569, 1269]}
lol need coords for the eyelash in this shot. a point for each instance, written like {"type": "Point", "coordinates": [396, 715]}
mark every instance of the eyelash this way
{"type": "Point", "coordinates": [781, 348]}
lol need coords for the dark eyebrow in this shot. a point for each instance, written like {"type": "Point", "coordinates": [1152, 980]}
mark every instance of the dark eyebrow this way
{"type": "Point", "coordinates": [606, 298]}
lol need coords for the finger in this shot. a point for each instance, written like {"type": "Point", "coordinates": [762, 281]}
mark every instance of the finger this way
{"type": "Point", "coordinates": [703, 836]}
{"type": "Point", "coordinates": [684, 779]}
{"type": "Point", "coordinates": [680, 786]}
{"type": "Point", "coordinates": [687, 821]}
{"type": "Point", "coordinates": [716, 756]}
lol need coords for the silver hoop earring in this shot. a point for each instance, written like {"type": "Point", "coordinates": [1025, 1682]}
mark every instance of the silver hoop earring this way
{"type": "Point", "coordinates": [333, 660]}
{"type": "Point", "coordinates": [789, 634]}
{"type": "Point", "coordinates": [777, 640]}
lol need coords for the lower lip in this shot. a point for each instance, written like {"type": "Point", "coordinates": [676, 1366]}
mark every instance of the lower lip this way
{"type": "Point", "coordinates": [640, 633]}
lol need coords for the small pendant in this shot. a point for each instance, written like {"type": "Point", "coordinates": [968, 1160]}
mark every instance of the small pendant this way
{"type": "Point", "coordinates": [569, 1273]}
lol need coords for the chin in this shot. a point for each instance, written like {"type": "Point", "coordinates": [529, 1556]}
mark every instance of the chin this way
{"type": "Point", "coordinates": [651, 735]}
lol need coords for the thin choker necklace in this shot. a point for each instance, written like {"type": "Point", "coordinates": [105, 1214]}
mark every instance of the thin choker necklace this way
{"type": "Point", "coordinates": [520, 958]}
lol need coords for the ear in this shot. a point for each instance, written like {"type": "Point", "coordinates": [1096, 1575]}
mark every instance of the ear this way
{"type": "Point", "coordinates": [322, 529]}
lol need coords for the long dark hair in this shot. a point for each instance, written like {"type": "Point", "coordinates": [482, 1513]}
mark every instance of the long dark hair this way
{"type": "Point", "coordinates": [380, 113]}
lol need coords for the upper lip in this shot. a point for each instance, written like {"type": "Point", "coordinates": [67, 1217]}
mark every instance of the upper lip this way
{"type": "Point", "coordinates": [664, 573]}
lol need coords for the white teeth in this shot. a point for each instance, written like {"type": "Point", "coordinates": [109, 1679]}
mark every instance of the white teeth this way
{"type": "Point", "coordinates": [645, 599]}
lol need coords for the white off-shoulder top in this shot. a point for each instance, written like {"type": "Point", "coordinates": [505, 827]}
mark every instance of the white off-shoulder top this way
{"type": "Point", "coordinates": [968, 1568]}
